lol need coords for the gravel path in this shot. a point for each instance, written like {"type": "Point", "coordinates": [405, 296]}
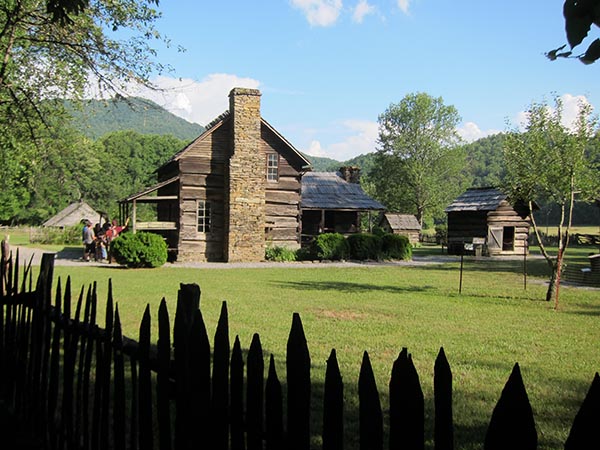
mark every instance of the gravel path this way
{"type": "Point", "coordinates": [73, 258]}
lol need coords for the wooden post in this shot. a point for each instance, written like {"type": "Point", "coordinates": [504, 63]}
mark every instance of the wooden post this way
{"type": "Point", "coordinates": [237, 397]}
{"type": "Point", "coordinates": [442, 389]}
{"type": "Point", "coordinates": [584, 432]}
{"type": "Point", "coordinates": [512, 425]}
{"type": "Point", "coordinates": [370, 414]}
{"type": "Point", "coordinates": [333, 406]}
{"type": "Point", "coordinates": [462, 256]}
{"type": "Point", "coordinates": [134, 217]}
{"type": "Point", "coordinates": [273, 410]}
{"type": "Point", "coordinates": [254, 394]}
{"type": "Point", "coordinates": [220, 383]}
{"type": "Point", "coordinates": [525, 265]}
{"type": "Point", "coordinates": [298, 385]}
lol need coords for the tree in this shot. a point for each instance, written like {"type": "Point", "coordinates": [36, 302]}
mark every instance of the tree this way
{"type": "Point", "coordinates": [551, 162]}
{"type": "Point", "coordinates": [418, 167]}
{"type": "Point", "coordinates": [131, 159]}
{"type": "Point", "coordinates": [579, 17]}
{"type": "Point", "coordinates": [51, 50]}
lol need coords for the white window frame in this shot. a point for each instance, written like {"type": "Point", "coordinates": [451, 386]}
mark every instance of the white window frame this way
{"type": "Point", "coordinates": [273, 167]}
{"type": "Point", "coordinates": [203, 216]}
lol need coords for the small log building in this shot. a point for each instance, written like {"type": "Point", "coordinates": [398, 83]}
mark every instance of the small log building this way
{"type": "Point", "coordinates": [484, 218]}
{"type": "Point", "coordinates": [75, 214]}
{"type": "Point", "coordinates": [402, 224]}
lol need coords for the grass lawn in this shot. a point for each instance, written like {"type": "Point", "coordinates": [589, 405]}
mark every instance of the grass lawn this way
{"type": "Point", "coordinates": [484, 331]}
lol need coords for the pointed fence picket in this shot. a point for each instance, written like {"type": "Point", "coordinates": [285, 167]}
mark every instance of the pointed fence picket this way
{"type": "Point", "coordinates": [85, 387]}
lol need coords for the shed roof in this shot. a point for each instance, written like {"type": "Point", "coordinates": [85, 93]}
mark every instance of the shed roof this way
{"type": "Point", "coordinates": [327, 190]}
{"type": "Point", "coordinates": [478, 199]}
{"type": "Point", "coordinates": [402, 221]}
{"type": "Point", "coordinates": [73, 215]}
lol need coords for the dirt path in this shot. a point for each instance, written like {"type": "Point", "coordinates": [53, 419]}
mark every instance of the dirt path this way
{"type": "Point", "coordinates": [73, 258]}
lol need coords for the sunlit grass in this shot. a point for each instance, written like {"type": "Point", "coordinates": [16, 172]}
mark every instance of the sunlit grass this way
{"type": "Point", "coordinates": [485, 330]}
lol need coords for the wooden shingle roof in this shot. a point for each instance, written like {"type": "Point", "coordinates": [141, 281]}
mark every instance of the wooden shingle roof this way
{"type": "Point", "coordinates": [219, 121]}
{"type": "Point", "coordinates": [478, 199]}
{"type": "Point", "coordinates": [73, 215]}
{"type": "Point", "coordinates": [402, 221]}
{"type": "Point", "coordinates": [327, 190]}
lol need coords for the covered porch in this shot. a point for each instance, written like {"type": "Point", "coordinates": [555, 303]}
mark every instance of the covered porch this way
{"type": "Point", "coordinates": [164, 196]}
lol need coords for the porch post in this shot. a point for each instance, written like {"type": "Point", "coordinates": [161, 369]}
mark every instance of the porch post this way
{"type": "Point", "coordinates": [134, 216]}
{"type": "Point", "coordinates": [322, 224]}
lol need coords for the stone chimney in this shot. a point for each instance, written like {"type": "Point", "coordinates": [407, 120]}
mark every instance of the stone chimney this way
{"type": "Point", "coordinates": [350, 174]}
{"type": "Point", "coordinates": [245, 190]}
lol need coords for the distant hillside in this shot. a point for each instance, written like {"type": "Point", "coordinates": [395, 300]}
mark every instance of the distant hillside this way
{"type": "Point", "coordinates": [321, 164]}
{"type": "Point", "coordinates": [98, 117]}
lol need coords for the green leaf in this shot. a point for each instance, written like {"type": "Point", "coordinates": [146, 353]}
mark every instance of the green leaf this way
{"type": "Point", "coordinates": [578, 20]}
{"type": "Point", "coordinates": [552, 54]}
{"type": "Point", "coordinates": [592, 53]}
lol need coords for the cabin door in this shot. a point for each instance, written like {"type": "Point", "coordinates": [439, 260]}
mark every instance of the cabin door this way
{"type": "Point", "coordinates": [495, 237]}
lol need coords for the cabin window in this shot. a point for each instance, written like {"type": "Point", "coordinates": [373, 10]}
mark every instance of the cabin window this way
{"type": "Point", "coordinates": [204, 217]}
{"type": "Point", "coordinates": [272, 167]}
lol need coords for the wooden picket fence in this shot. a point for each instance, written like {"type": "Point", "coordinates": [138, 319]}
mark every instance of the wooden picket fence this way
{"type": "Point", "coordinates": [81, 386]}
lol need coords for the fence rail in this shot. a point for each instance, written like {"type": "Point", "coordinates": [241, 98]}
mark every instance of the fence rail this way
{"type": "Point", "coordinates": [83, 386]}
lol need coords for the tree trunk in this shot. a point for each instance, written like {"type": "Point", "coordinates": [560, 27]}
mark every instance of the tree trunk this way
{"type": "Point", "coordinates": [553, 287]}
{"type": "Point", "coordinates": [553, 283]}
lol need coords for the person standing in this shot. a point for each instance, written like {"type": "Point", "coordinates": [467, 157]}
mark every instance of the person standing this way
{"type": "Point", "coordinates": [87, 236]}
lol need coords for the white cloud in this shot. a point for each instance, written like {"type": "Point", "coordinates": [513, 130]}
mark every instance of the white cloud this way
{"type": "Point", "coordinates": [470, 132]}
{"type": "Point", "coordinates": [361, 10]}
{"type": "Point", "coordinates": [321, 13]}
{"type": "Point", "coordinates": [571, 104]}
{"type": "Point", "coordinates": [195, 101]}
{"type": "Point", "coordinates": [360, 138]}
{"type": "Point", "coordinates": [403, 5]}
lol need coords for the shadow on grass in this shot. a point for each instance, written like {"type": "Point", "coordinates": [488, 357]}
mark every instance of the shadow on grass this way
{"type": "Point", "coordinates": [349, 287]}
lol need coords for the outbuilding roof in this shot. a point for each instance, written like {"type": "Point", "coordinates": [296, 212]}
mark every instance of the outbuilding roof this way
{"type": "Point", "coordinates": [327, 190]}
{"type": "Point", "coordinates": [73, 215]}
{"type": "Point", "coordinates": [402, 221]}
{"type": "Point", "coordinates": [478, 199]}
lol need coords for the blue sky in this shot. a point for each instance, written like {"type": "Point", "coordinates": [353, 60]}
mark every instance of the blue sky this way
{"type": "Point", "coordinates": [328, 68]}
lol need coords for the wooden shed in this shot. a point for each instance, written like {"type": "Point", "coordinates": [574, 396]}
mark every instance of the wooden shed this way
{"type": "Point", "coordinates": [484, 218]}
{"type": "Point", "coordinates": [402, 224]}
{"type": "Point", "coordinates": [229, 193]}
{"type": "Point", "coordinates": [333, 202]}
{"type": "Point", "coordinates": [74, 214]}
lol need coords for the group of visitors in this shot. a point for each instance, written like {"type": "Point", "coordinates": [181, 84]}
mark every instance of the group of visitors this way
{"type": "Point", "coordinates": [97, 239]}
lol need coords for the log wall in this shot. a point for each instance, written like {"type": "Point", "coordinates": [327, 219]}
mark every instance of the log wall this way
{"type": "Point", "coordinates": [463, 226]}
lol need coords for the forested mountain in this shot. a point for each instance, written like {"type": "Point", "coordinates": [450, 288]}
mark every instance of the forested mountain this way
{"type": "Point", "coordinates": [321, 164]}
{"type": "Point", "coordinates": [485, 161]}
{"type": "Point", "coordinates": [97, 118]}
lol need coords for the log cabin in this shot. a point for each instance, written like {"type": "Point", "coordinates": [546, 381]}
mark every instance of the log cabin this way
{"type": "Point", "coordinates": [228, 193]}
{"type": "Point", "coordinates": [484, 221]}
{"type": "Point", "coordinates": [401, 224]}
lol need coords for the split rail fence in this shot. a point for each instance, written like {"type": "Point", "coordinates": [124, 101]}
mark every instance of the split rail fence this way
{"type": "Point", "coordinates": [83, 386]}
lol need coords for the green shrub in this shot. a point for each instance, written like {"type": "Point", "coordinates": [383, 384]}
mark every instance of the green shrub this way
{"type": "Point", "coordinates": [279, 254]}
{"type": "Point", "coordinates": [395, 246]}
{"type": "Point", "coordinates": [331, 246]}
{"type": "Point", "coordinates": [139, 250]}
{"type": "Point", "coordinates": [57, 236]}
{"type": "Point", "coordinates": [441, 233]}
{"type": "Point", "coordinates": [365, 246]}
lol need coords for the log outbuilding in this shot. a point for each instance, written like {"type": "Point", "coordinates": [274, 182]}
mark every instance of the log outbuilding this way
{"type": "Point", "coordinates": [402, 224]}
{"type": "Point", "coordinates": [485, 220]}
